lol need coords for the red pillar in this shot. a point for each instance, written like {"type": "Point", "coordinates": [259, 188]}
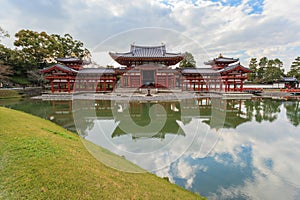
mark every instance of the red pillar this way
{"type": "Point", "coordinates": [155, 78]}
{"type": "Point", "coordinates": [69, 86]}
{"type": "Point", "coordinates": [174, 80]}
{"type": "Point", "coordinates": [52, 86]}
{"type": "Point", "coordinates": [234, 85]}
{"type": "Point", "coordinates": [241, 88]}
{"type": "Point", "coordinates": [59, 87]}
{"type": "Point", "coordinates": [141, 79]}
{"type": "Point", "coordinates": [167, 81]}
{"type": "Point", "coordinates": [207, 84]}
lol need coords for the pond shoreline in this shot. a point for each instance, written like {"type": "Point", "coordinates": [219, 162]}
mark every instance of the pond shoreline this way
{"type": "Point", "coordinates": [167, 96]}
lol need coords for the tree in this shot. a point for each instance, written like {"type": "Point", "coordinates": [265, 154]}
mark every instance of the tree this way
{"type": "Point", "coordinates": [261, 70]}
{"type": "Point", "coordinates": [273, 71]}
{"type": "Point", "coordinates": [67, 46]}
{"type": "Point", "coordinates": [188, 61]}
{"type": "Point", "coordinates": [263, 62]}
{"type": "Point", "coordinates": [295, 68]}
{"type": "Point", "coordinates": [33, 48]}
{"type": "Point", "coordinates": [3, 33]}
{"type": "Point", "coordinates": [269, 70]}
{"type": "Point", "coordinates": [272, 74]}
{"type": "Point", "coordinates": [253, 66]}
{"type": "Point", "coordinates": [39, 46]}
{"type": "Point", "coordinates": [5, 71]}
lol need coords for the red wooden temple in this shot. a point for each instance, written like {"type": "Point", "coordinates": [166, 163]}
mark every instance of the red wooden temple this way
{"type": "Point", "coordinates": [224, 74]}
{"type": "Point", "coordinates": [69, 76]}
{"type": "Point", "coordinates": [146, 66]}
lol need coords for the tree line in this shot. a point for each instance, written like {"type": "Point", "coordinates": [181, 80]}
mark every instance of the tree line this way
{"type": "Point", "coordinates": [267, 70]}
{"type": "Point", "coordinates": [33, 51]}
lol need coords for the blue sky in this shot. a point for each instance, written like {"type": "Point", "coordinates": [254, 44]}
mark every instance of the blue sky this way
{"type": "Point", "coordinates": [236, 28]}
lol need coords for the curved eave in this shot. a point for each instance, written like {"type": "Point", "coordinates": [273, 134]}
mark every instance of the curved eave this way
{"type": "Point", "coordinates": [55, 67]}
{"type": "Point", "coordinates": [69, 60]}
{"type": "Point", "coordinates": [125, 60]}
{"type": "Point", "coordinates": [217, 62]}
{"type": "Point", "coordinates": [237, 68]}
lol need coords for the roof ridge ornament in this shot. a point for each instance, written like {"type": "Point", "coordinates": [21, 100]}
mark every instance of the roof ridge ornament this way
{"type": "Point", "coordinates": [220, 55]}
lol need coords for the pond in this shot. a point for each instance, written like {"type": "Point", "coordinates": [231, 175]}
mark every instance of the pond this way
{"type": "Point", "coordinates": [222, 149]}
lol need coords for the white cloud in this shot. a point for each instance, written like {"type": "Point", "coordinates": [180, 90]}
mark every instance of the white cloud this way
{"type": "Point", "coordinates": [218, 28]}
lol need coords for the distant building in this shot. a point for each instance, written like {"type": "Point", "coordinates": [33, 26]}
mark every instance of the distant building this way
{"type": "Point", "coordinates": [290, 82]}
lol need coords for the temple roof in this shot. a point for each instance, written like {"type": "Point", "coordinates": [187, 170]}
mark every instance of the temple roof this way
{"type": "Point", "coordinates": [234, 67]}
{"type": "Point", "coordinates": [148, 54]}
{"type": "Point", "coordinates": [221, 60]}
{"type": "Point", "coordinates": [198, 71]}
{"type": "Point", "coordinates": [60, 67]}
{"type": "Point", "coordinates": [213, 71]}
{"type": "Point", "coordinates": [97, 71]}
{"type": "Point", "coordinates": [69, 60]}
{"type": "Point", "coordinates": [290, 79]}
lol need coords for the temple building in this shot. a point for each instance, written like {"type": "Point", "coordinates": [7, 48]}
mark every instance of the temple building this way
{"type": "Point", "coordinates": [69, 75]}
{"type": "Point", "coordinates": [224, 74]}
{"type": "Point", "coordinates": [147, 66]}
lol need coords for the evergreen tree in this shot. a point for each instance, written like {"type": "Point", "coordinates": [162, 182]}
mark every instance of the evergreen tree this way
{"type": "Point", "coordinates": [188, 61]}
{"type": "Point", "coordinates": [253, 66]}
{"type": "Point", "coordinates": [273, 71]}
{"type": "Point", "coordinates": [295, 69]}
{"type": "Point", "coordinates": [262, 67]}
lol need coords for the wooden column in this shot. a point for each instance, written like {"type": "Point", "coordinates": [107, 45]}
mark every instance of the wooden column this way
{"type": "Point", "coordinates": [174, 81]}
{"type": "Point", "coordinates": [52, 86]}
{"type": "Point", "coordinates": [234, 85]}
{"type": "Point", "coordinates": [167, 81]}
{"type": "Point", "coordinates": [129, 81]}
{"type": "Point", "coordinates": [59, 86]}
{"type": "Point", "coordinates": [141, 75]}
{"type": "Point", "coordinates": [69, 86]}
{"type": "Point", "coordinates": [241, 87]}
{"type": "Point", "coordinates": [207, 84]}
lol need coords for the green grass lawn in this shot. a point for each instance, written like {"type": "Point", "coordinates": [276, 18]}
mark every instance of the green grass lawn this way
{"type": "Point", "coordinates": [40, 160]}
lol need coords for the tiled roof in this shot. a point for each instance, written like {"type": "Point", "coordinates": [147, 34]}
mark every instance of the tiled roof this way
{"type": "Point", "coordinates": [71, 59]}
{"type": "Point", "coordinates": [221, 60]}
{"type": "Point", "coordinates": [60, 66]}
{"type": "Point", "coordinates": [199, 71]}
{"type": "Point", "coordinates": [290, 79]}
{"type": "Point", "coordinates": [146, 52]}
{"type": "Point", "coordinates": [231, 67]}
{"type": "Point", "coordinates": [96, 71]}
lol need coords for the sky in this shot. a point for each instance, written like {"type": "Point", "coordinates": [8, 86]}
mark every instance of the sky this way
{"type": "Point", "coordinates": [236, 28]}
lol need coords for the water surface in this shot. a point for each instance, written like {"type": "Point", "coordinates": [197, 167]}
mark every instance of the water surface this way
{"type": "Point", "coordinates": [222, 149]}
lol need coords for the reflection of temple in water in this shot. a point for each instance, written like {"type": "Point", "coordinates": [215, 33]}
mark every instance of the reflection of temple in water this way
{"type": "Point", "coordinates": [215, 113]}
{"type": "Point", "coordinates": [62, 114]}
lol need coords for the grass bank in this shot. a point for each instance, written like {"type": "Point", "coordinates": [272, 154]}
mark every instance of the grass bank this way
{"type": "Point", "coordinates": [40, 160]}
{"type": "Point", "coordinates": [7, 94]}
